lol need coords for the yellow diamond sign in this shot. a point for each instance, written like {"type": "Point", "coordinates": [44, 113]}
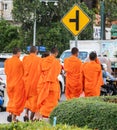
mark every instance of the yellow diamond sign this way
{"type": "Point", "coordinates": [75, 20]}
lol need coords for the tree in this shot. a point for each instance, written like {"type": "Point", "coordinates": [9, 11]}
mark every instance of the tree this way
{"type": "Point", "coordinates": [3, 27]}
{"type": "Point", "coordinates": [50, 31]}
{"type": "Point", "coordinates": [8, 33]}
{"type": "Point", "coordinates": [111, 10]}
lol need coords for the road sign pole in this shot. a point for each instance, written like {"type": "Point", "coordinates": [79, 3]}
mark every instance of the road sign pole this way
{"type": "Point", "coordinates": [76, 40]}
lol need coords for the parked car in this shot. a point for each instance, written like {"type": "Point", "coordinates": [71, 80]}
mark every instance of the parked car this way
{"type": "Point", "coordinates": [3, 82]}
{"type": "Point", "coordinates": [67, 53]}
{"type": "Point", "coordinates": [2, 95]}
{"type": "Point", "coordinates": [3, 78]}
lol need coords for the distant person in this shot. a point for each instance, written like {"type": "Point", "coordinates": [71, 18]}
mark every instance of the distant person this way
{"type": "Point", "coordinates": [45, 54]}
{"type": "Point", "coordinates": [107, 75]}
{"type": "Point", "coordinates": [105, 60]}
{"type": "Point", "coordinates": [48, 86]}
{"type": "Point", "coordinates": [15, 85]}
{"type": "Point", "coordinates": [72, 66]}
{"type": "Point", "coordinates": [92, 76]}
{"type": "Point", "coordinates": [31, 64]}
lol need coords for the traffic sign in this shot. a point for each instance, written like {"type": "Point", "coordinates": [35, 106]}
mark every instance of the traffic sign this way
{"type": "Point", "coordinates": [75, 20]}
{"type": "Point", "coordinates": [42, 48]}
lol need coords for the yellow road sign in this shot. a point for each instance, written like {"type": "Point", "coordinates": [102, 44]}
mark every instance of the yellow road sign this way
{"type": "Point", "coordinates": [76, 20]}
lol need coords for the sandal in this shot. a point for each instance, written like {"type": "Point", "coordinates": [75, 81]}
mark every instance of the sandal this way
{"type": "Point", "coordinates": [26, 118]}
{"type": "Point", "coordinates": [9, 118]}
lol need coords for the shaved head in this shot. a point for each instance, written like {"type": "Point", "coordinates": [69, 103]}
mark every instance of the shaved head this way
{"type": "Point", "coordinates": [16, 50]}
{"type": "Point", "coordinates": [33, 49]}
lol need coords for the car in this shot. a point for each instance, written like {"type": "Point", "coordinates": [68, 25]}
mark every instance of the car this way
{"type": "Point", "coordinates": [67, 53]}
{"type": "Point", "coordinates": [3, 82]}
{"type": "Point", "coordinates": [2, 95]}
{"type": "Point", "coordinates": [3, 57]}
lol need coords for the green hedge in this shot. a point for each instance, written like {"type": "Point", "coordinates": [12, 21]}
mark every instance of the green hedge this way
{"type": "Point", "coordinates": [96, 113]}
{"type": "Point", "coordinates": [37, 126]}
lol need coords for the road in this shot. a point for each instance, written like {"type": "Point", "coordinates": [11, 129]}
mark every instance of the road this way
{"type": "Point", "coordinates": [3, 115]}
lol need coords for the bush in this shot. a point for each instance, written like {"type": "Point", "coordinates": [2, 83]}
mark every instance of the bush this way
{"type": "Point", "coordinates": [96, 113]}
{"type": "Point", "coordinates": [37, 126]}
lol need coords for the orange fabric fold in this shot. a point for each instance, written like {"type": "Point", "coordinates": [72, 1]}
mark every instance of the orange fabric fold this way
{"type": "Point", "coordinates": [48, 86]}
{"type": "Point", "coordinates": [31, 64]}
{"type": "Point", "coordinates": [15, 85]}
{"type": "Point", "coordinates": [72, 67]}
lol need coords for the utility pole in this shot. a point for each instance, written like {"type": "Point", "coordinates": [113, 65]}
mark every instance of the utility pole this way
{"type": "Point", "coordinates": [34, 29]}
{"type": "Point", "coordinates": [35, 21]}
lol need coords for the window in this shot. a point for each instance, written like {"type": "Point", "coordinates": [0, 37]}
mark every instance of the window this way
{"type": "Point", "coordinates": [2, 60]}
{"type": "Point", "coordinates": [5, 6]}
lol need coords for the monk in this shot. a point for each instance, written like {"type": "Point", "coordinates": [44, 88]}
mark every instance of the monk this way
{"type": "Point", "coordinates": [31, 76]}
{"type": "Point", "coordinates": [72, 67]}
{"type": "Point", "coordinates": [92, 76]}
{"type": "Point", "coordinates": [48, 86]}
{"type": "Point", "coordinates": [15, 85]}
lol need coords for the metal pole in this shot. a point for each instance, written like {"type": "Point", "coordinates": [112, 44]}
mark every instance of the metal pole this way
{"type": "Point", "coordinates": [34, 29]}
{"type": "Point", "coordinates": [102, 11]}
{"type": "Point", "coordinates": [76, 40]}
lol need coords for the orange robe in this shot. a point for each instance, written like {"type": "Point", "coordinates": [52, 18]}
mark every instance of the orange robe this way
{"type": "Point", "coordinates": [92, 78]}
{"type": "Point", "coordinates": [72, 67]}
{"type": "Point", "coordinates": [15, 85]}
{"type": "Point", "coordinates": [31, 64]}
{"type": "Point", "coordinates": [48, 86]}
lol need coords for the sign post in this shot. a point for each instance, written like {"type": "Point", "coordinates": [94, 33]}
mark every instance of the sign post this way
{"type": "Point", "coordinates": [76, 40]}
{"type": "Point", "coordinates": [75, 21]}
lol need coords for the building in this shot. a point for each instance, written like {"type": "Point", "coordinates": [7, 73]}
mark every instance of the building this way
{"type": "Point", "coordinates": [6, 7]}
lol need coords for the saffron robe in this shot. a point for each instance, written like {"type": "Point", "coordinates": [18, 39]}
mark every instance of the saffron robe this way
{"type": "Point", "coordinates": [15, 85]}
{"type": "Point", "coordinates": [72, 66]}
{"type": "Point", "coordinates": [92, 78]}
{"type": "Point", "coordinates": [48, 86]}
{"type": "Point", "coordinates": [31, 64]}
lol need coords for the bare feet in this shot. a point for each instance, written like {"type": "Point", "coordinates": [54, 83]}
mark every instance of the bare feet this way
{"type": "Point", "coordinates": [37, 117]}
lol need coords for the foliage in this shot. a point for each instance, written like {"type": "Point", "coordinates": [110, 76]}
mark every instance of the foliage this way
{"type": "Point", "coordinates": [37, 126]}
{"type": "Point", "coordinates": [50, 30]}
{"type": "Point", "coordinates": [97, 113]}
{"type": "Point", "coordinates": [8, 34]}
{"type": "Point", "coordinates": [111, 9]}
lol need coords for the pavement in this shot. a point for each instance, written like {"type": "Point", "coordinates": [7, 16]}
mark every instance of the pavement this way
{"type": "Point", "coordinates": [3, 115]}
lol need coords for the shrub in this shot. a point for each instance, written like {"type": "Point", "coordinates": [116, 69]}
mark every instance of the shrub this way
{"type": "Point", "coordinates": [37, 126]}
{"type": "Point", "coordinates": [97, 113]}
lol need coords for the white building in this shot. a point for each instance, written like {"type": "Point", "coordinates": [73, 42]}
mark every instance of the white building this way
{"type": "Point", "coordinates": [97, 31]}
{"type": "Point", "coordinates": [6, 7]}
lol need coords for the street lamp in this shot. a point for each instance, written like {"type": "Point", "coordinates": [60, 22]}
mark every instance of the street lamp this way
{"type": "Point", "coordinates": [35, 22]}
{"type": "Point", "coordinates": [47, 1]}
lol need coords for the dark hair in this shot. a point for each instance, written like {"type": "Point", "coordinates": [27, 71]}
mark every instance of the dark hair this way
{"type": "Point", "coordinates": [92, 55]}
{"type": "Point", "coordinates": [16, 50]}
{"type": "Point", "coordinates": [102, 67]}
{"type": "Point", "coordinates": [45, 54]}
{"type": "Point", "coordinates": [33, 49]}
{"type": "Point", "coordinates": [74, 50]}
{"type": "Point", "coordinates": [105, 55]}
{"type": "Point", "coordinates": [54, 50]}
